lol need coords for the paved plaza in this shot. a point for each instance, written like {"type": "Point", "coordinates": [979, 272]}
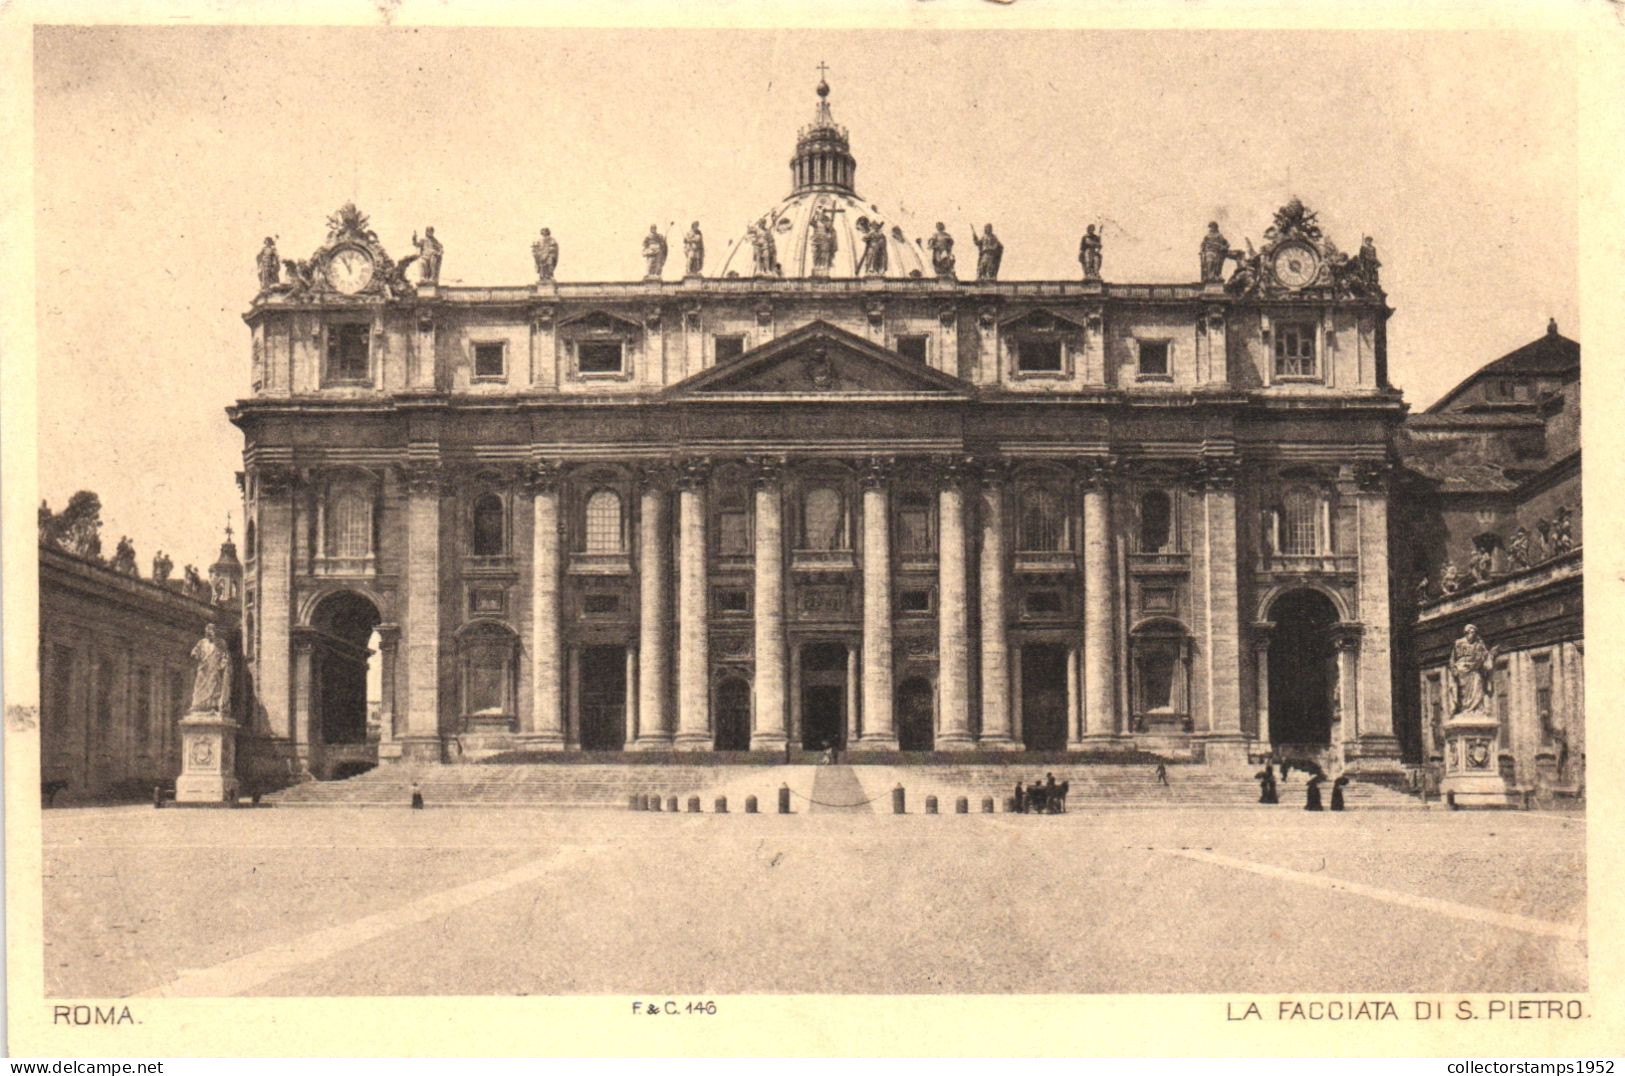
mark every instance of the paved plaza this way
{"type": "Point", "coordinates": [523, 901]}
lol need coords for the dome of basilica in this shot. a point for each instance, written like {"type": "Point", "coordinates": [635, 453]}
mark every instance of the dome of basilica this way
{"type": "Point", "coordinates": [824, 228]}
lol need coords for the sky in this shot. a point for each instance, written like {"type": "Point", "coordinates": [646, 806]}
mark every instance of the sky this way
{"type": "Point", "coordinates": [165, 155]}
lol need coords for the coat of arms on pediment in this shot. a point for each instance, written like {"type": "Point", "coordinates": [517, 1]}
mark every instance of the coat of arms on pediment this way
{"type": "Point", "coordinates": [1298, 257]}
{"type": "Point", "coordinates": [350, 264]}
{"type": "Point", "coordinates": [821, 358]}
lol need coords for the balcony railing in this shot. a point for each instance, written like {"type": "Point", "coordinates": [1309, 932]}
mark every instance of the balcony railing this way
{"type": "Point", "coordinates": [367, 565]}
{"type": "Point", "coordinates": [1045, 561]}
{"type": "Point", "coordinates": [1159, 562]}
{"type": "Point", "coordinates": [823, 560]}
{"type": "Point", "coordinates": [1308, 563]}
{"type": "Point", "coordinates": [600, 564]}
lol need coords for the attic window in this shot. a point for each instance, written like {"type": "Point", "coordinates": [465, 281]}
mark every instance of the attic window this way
{"type": "Point", "coordinates": [600, 356]}
{"type": "Point", "coordinates": [490, 362]}
{"type": "Point", "coordinates": [1153, 359]}
{"type": "Point", "coordinates": [1038, 355]}
{"type": "Point", "coordinates": [729, 348]}
{"type": "Point", "coordinates": [912, 347]}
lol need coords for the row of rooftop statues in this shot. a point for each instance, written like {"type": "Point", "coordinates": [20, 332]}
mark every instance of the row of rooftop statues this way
{"type": "Point", "coordinates": [1524, 548]}
{"type": "Point", "coordinates": [1357, 274]}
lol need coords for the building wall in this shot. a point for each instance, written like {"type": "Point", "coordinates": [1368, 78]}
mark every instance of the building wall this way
{"type": "Point", "coordinates": [116, 670]}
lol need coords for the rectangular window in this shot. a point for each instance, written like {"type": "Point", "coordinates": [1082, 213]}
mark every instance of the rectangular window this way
{"type": "Point", "coordinates": [912, 347]}
{"type": "Point", "coordinates": [729, 348]}
{"type": "Point", "coordinates": [1044, 603]}
{"type": "Point", "coordinates": [1294, 351]}
{"type": "Point", "coordinates": [490, 362]}
{"type": "Point", "coordinates": [1157, 599]}
{"type": "Point", "coordinates": [914, 601]}
{"type": "Point", "coordinates": [914, 528]}
{"type": "Point", "coordinates": [600, 604]}
{"type": "Point", "coordinates": [1038, 355]}
{"type": "Point", "coordinates": [733, 600]}
{"type": "Point", "coordinates": [599, 356]}
{"type": "Point", "coordinates": [349, 352]}
{"type": "Point", "coordinates": [1154, 358]}
{"type": "Point", "coordinates": [733, 533]}
{"type": "Point", "coordinates": [1542, 666]}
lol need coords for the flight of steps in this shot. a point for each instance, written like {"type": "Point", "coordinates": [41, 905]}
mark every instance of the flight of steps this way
{"type": "Point", "coordinates": [516, 786]}
{"type": "Point", "coordinates": [1133, 786]}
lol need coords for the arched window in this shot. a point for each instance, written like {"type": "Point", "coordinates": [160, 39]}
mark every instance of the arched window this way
{"type": "Point", "coordinates": [1156, 522]}
{"type": "Point", "coordinates": [488, 525]}
{"type": "Point", "coordinates": [349, 524]}
{"type": "Point", "coordinates": [603, 523]}
{"type": "Point", "coordinates": [1043, 521]}
{"type": "Point", "coordinates": [822, 520]}
{"type": "Point", "coordinates": [1303, 524]}
{"type": "Point", "coordinates": [915, 532]}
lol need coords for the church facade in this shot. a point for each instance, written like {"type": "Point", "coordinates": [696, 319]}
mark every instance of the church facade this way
{"type": "Point", "coordinates": [826, 492]}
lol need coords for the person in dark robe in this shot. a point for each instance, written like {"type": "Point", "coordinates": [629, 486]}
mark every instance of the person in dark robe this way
{"type": "Point", "coordinates": [1337, 793]}
{"type": "Point", "coordinates": [1060, 800]}
{"type": "Point", "coordinates": [1035, 798]}
{"type": "Point", "coordinates": [1312, 800]}
{"type": "Point", "coordinates": [1052, 799]}
{"type": "Point", "coordinates": [1021, 798]}
{"type": "Point", "coordinates": [1162, 773]}
{"type": "Point", "coordinates": [417, 797]}
{"type": "Point", "coordinates": [1266, 786]}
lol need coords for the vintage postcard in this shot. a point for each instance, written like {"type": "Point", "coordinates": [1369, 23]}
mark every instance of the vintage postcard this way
{"type": "Point", "coordinates": [950, 529]}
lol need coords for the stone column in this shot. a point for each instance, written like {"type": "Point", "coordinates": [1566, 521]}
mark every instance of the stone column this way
{"type": "Point", "coordinates": [997, 731]}
{"type": "Point", "coordinates": [425, 483]}
{"type": "Point", "coordinates": [1375, 702]}
{"type": "Point", "coordinates": [654, 585]}
{"type": "Point", "coordinates": [769, 733]}
{"type": "Point", "coordinates": [630, 735]}
{"type": "Point", "coordinates": [878, 727]}
{"type": "Point", "coordinates": [953, 622]}
{"type": "Point", "coordinates": [304, 664]}
{"type": "Point", "coordinates": [852, 703]}
{"type": "Point", "coordinates": [1346, 638]}
{"type": "Point", "coordinates": [547, 666]}
{"type": "Point", "coordinates": [274, 493]}
{"type": "Point", "coordinates": [1261, 670]}
{"type": "Point", "coordinates": [693, 614]}
{"type": "Point", "coordinates": [1222, 645]}
{"type": "Point", "coordinates": [389, 637]}
{"type": "Point", "coordinates": [1100, 606]}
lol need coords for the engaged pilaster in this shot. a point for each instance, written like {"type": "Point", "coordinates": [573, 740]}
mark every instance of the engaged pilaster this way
{"type": "Point", "coordinates": [425, 483]}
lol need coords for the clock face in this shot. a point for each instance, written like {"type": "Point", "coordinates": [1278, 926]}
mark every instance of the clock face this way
{"type": "Point", "coordinates": [1295, 265]}
{"type": "Point", "coordinates": [349, 270]}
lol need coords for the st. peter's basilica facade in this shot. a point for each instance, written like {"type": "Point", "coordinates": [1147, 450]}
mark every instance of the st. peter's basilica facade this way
{"type": "Point", "coordinates": [820, 490]}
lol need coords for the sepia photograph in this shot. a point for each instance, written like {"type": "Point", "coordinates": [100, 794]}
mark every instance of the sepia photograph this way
{"type": "Point", "coordinates": [672, 514]}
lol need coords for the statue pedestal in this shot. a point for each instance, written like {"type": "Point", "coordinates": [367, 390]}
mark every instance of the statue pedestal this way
{"type": "Point", "coordinates": [208, 760]}
{"type": "Point", "coordinates": [1472, 776]}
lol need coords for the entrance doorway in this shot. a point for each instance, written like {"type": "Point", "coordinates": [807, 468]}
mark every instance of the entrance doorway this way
{"type": "Point", "coordinates": [1043, 697]}
{"type": "Point", "coordinates": [344, 622]}
{"type": "Point", "coordinates": [733, 715]}
{"type": "Point", "coordinates": [1303, 668]}
{"type": "Point", "coordinates": [823, 696]}
{"type": "Point", "coordinates": [916, 717]}
{"type": "Point", "coordinates": [603, 698]}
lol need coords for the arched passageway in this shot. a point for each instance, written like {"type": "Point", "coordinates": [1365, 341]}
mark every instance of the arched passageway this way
{"type": "Point", "coordinates": [1303, 668]}
{"type": "Point", "coordinates": [916, 715]}
{"type": "Point", "coordinates": [341, 649]}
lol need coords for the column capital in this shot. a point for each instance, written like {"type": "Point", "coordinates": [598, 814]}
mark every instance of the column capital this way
{"type": "Point", "coordinates": [656, 475]}
{"type": "Point", "coordinates": [1372, 475]}
{"type": "Point", "coordinates": [766, 470]}
{"type": "Point", "coordinates": [389, 635]}
{"type": "Point", "coordinates": [273, 479]}
{"type": "Point", "coordinates": [992, 470]}
{"type": "Point", "coordinates": [1263, 633]}
{"type": "Point", "coordinates": [1217, 472]}
{"type": "Point", "coordinates": [1098, 472]}
{"type": "Point", "coordinates": [1347, 636]}
{"type": "Point", "coordinates": [877, 471]}
{"type": "Point", "coordinates": [951, 471]}
{"type": "Point", "coordinates": [543, 476]}
{"type": "Point", "coordinates": [425, 476]}
{"type": "Point", "coordinates": [693, 472]}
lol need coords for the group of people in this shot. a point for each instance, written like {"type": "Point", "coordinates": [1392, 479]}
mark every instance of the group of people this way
{"type": "Point", "coordinates": [1042, 797]}
{"type": "Point", "coordinates": [1269, 792]}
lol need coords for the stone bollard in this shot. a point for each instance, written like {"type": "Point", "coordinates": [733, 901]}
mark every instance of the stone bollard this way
{"type": "Point", "coordinates": [654, 803]}
{"type": "Point", "coordinates": [961, 805]}
{"type": "Point", "coordinates": [635, 802]}
{"type": "Point", "coordinates": [693, 805]}
{"type": "Point", "coordinates": [671, 804]}
{"type": "Point", "coordinates": [158, 797]}
{"type": "Point", "coordinates": [722, 805]}
{"type": "Point", "coordinates": [784, 799]}
{"type": "Point", "coordinates": [897, 801]}
{"type": "Point", "coordinates": [987, 804]}
{"type": "Point", "coordinates": [930, 805]}
{"type": "Point", "coordinates": [750, 804]}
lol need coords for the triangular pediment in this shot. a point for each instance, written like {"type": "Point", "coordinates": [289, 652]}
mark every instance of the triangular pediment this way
{"type": "Point", "coordinates": [822, 359]}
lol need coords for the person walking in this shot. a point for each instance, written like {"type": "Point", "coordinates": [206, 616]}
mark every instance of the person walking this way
{"type": "Point", "coordinates": [1337, 792]}
{"type": "Point", "coordinates": [1162, 773]}
{"type": "Point", "coordinates": [1312, 799]}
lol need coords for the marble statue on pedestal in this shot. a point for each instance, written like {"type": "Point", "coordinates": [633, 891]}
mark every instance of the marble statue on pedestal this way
{"type": "Point", "coordinates": [694, 250]}
{"type": "Point", "coordinates": [654, 253]}
{"type": "Point", "coordinates": [1468, 685]}
{"type": "Point", "coordinates": [211, 675]}
{"type": "Point", "coordinates": [546, 252]}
